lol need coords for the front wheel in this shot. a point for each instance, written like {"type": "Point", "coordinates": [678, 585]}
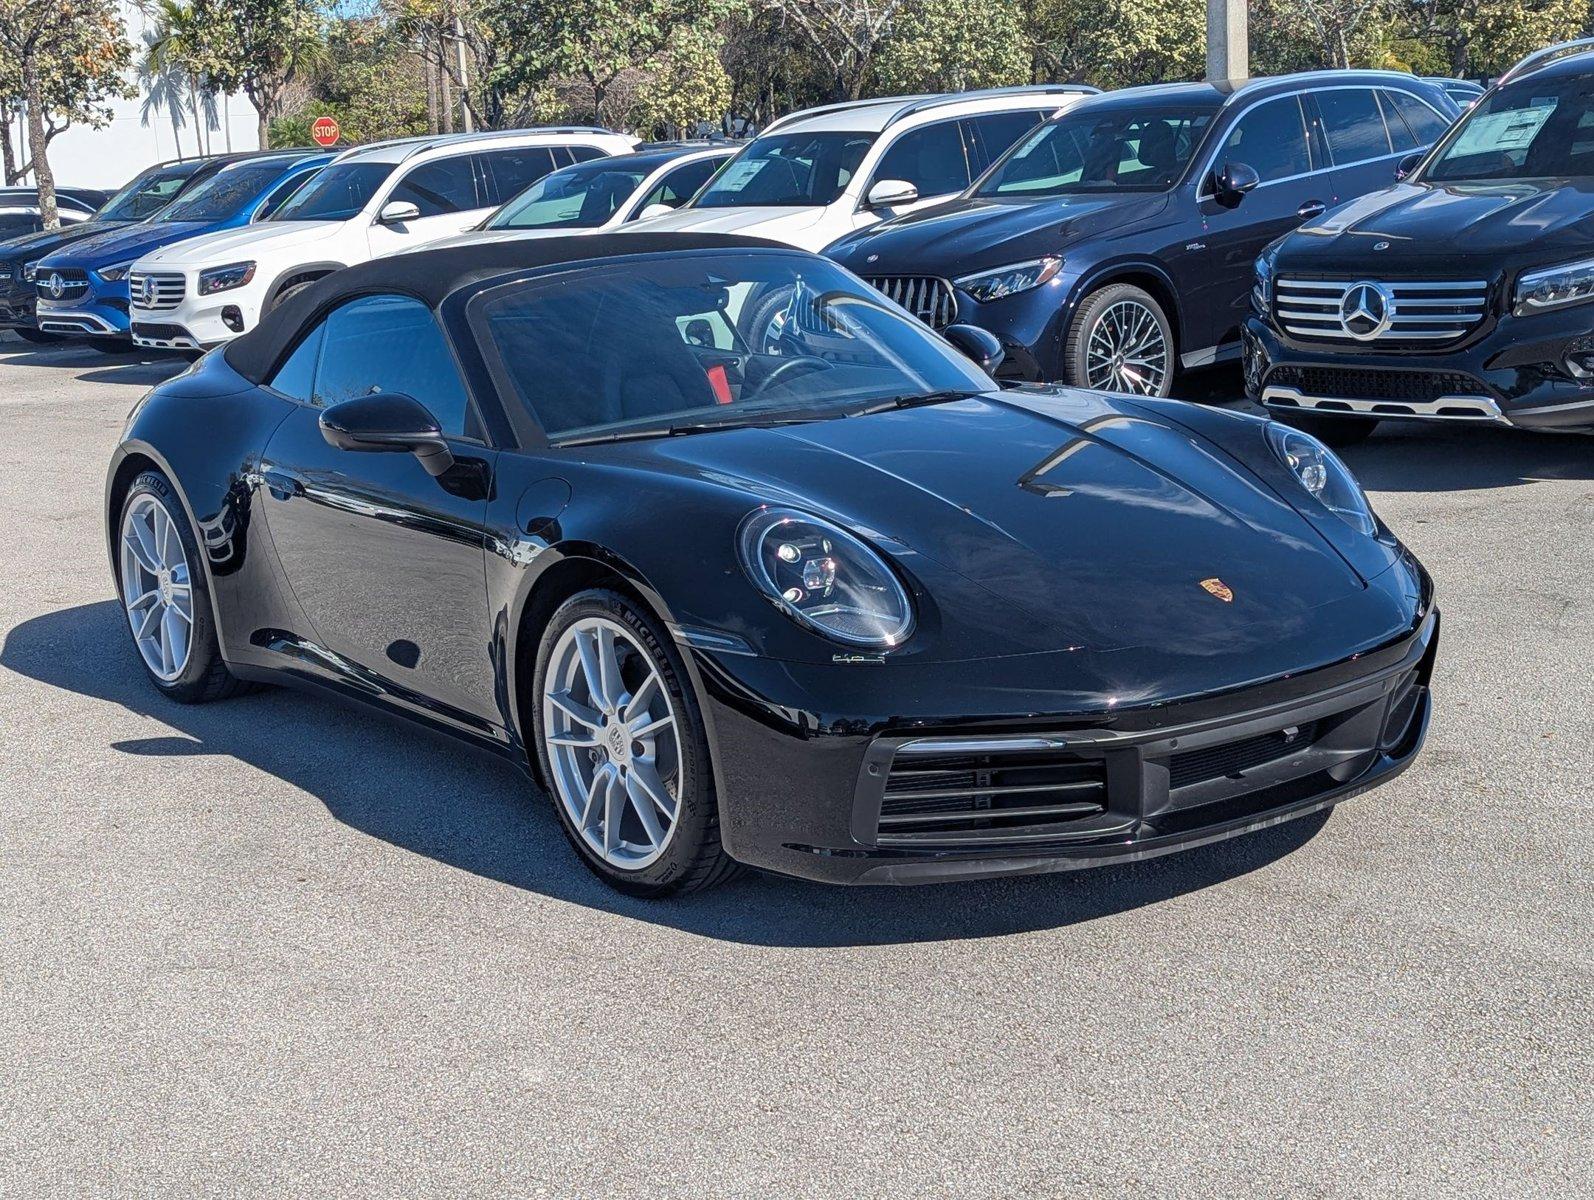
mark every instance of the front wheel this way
{"type": "Point", "coordinates": [622, 748]}
{"type": "Point", "coordinates": [1120, 341]}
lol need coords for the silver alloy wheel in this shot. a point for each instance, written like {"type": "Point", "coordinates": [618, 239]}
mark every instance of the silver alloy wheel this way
{"type": "Point", "coordinates": [156, 587]}
{"type": "Point", "coordinates": [613, 743]}
{"type": "Point", "coordinates": [1127, 352]}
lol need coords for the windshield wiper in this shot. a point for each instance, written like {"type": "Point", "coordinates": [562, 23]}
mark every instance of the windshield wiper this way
{"type": "Point", "coordinates": [682, 430]}
{"type": "Point", "coordinates": [914, 400]}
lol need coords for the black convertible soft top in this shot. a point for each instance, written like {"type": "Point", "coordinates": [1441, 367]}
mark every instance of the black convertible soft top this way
{"type": "Point", "coordinates": [433, 275]}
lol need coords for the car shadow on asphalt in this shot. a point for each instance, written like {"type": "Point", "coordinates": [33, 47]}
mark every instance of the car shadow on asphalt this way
{"type": "Point", "coordinates": [473, 812]}
{"type": "Point", "coordinates": [1404, 457]}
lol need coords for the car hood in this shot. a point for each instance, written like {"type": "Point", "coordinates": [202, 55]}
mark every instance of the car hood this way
{"type": "Point", "coordinates": [974, 233]}
{"type": "Point", "coordinates": [127, 242]}
{"type": "Point", "coordinates": [1047, 520]}
{"type": "Point", "coordinates": [32, 246]}
{"type": "Point", "coordinates": [230, 244]}
{"type": "Point", "coordinates": [1448, 228]}
{"type": "Point", "coordinates": [803, 226]}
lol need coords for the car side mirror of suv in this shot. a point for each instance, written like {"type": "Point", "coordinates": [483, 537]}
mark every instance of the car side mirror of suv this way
{"type": "Point", "coordinates": [891, 193]}
{"type": "Point", "coordinates": [1409, 164]}
{"type": "Point", "coordinates": [388, 423]}
{"type": "Point", "coordinates": [981, 345]}
{"type": "Point", "coordinates": [655, 210]}
{"type": "Point", "coordinates": [1231, 182]}
{"type": "Point", "coordinates": [396, 212]}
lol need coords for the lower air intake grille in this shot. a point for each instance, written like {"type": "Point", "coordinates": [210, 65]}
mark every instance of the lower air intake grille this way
{"type": "Point", "coordinates": [954, 794]}
{"type": "Point", "coordinates": [1230, 758]}
{"type": "Point", "coordinates": [1352, 383]}
{"type": "Point", "coordinates": [926, 297]}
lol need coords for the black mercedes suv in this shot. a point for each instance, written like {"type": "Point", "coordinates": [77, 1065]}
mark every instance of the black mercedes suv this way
{"type": "Point", "coordinates": [1464, 293]}
{"type": "Point", "coordinates": [1114, 244]}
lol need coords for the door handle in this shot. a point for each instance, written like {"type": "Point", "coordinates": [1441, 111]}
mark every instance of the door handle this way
{"type": "Point", "coordinates": [1312, 208]}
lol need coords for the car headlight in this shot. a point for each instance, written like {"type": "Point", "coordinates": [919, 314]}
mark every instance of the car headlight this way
{"type": "Point", "coordinates": [223, 279]}
{"type": "Point", "coordinates": [1320, 472]}
{"type": "Point", "coordinates": [1262, 288]}
{"type": "Point", "coordinates": [1555, 287]}
{"type": "Point", "coordinates": [986, 286]}
{"type": "Point", "coordinates": [116, 273]}
{"type": "Point", "coordinates": [30, 271]}
{"type": "Point", "coordinates": [825, 578]}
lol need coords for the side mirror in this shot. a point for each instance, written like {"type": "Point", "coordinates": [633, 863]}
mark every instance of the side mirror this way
{"type": "Point", "coordinates": [396, 212]}
{"type": "Point", "coordinates": [655, 210]}
{"type": "Point", "coordinates": [1231, 182]}
{"type": "Point", "coordinates": [1409, 164]}
{"type": "Point", "coordinates": [387, 423]}
{"type": "Point", "coordinates": [981, 345]}
{"type": "Point", "coordinates": [890, 193]}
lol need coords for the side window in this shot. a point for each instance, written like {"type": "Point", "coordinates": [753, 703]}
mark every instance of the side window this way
{"type": "Point", "coordinates": [1353, 125]}
{"type": "Point", "coordinates": [680, 185]}
{"type": "Point", "coordinates": [932, 159]}
{"type": "Point", "coordinates": [1270, 139]}
{"type": "Point", "coordinates": [295, 378]}
{"type": "Point", "coordinates": [1400, 134]}
{"type": "Point", "coordinates": [510, 172]}
{"type": "Point", "coordinates": [20, 221]}
{"type": "Point", "coordinates": [445, 186]}
{"type": "Point", "coordinates": [584, 153]}
{"type": "Point", "coordinates": [995, 132]}
{"type": "Point", "coordinates": [283, 190]}
{"type": "Point", "coordinates": [392, 344]}
{"type": "Point", "coordinates": [1424, 122]}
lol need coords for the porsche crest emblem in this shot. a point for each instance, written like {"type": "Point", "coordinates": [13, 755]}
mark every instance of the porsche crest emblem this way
{"type": "Point", "coordinates": [1218, 588]}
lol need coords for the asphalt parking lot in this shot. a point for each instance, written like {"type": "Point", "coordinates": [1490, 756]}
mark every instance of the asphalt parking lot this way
{"type": "Point", "coordinates": [279, 946]}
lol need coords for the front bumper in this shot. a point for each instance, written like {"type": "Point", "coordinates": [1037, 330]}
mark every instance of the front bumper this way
{"type": "Point", "coordinates": [93, 312]}
{"type": "Point", "coordinates": [16, 308]}
{"type": "Point", "coordinates": [195, 322]}
{"type": "Point", "coordinates": [1524, 372]}
{"type": "Point", "coordinates": [1031, 794]}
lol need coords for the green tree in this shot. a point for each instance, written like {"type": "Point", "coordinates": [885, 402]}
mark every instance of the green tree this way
{"type": "Point", "coordinates": [1484, 37]}
{"type": "Point", "coordinates": [687, 82]}
{"type": "Point", "coordinates": [1119, 43]}
{"type": "Point", "coordinates": [952, 46]}
{"type": "Point", "coordinates": [844, 34]}
{"type": "Point", "coordinates": [62, 60]}
{"type": "Point", "coordinates": [257, 47]}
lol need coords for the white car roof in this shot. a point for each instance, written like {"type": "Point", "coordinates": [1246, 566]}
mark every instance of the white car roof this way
{"type": "Point", "coordinates": [404, 149]}
{"type": "Point", "coordinates": [873, 116]}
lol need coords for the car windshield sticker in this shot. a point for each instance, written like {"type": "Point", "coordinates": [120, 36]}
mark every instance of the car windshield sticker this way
{"type": "Point", "coordinates": [738, 175]}
{"type": "Point", "coordinates": [1514, 130]}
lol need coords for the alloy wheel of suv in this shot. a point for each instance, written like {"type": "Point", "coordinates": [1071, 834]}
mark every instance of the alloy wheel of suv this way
{"type": "Point", "coordinates": [1120, 341]}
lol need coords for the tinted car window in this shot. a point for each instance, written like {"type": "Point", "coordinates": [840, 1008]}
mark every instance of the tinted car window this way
{"type": "Point", "coordinates": [583, 153]}
{"type": "Point", "coordinates": [283, 190]}
{"type": "Point", "coordinates": [1354, 125]}
{"type": "Point", "coordinates": [1422, 120]}
{"type": "Point", "coordinates": [680, 185]}
{"type": "Point", "coordinates": [995, 132]}
{"type": "Point", "coordinates": [146, 195]}
{"type": "Point", "coordinates": [391, 344]}
{"type": "Point", "coordinates": [512, 171]}
{"type": "Point", "coordinates": [578, 197]}
{"type": "Point", "coordinates": [1096, 150]}
{"type": "Point", "coordinates": [1270, 139]}
{"type": "Point", "coordinates": [1400, 134]}
{"type": "Point", "coordinates": [788, 169]}
{"type": "Point", "coordinates": [336, 193]}
{"type": "Point", "coordinates": [223, 194]}
{"type": "Point", "coordinates": [1532, 129]}
{"type": "Point", "coordinates": [13, 223]}
{"type": "Point", "coordinates": [296, 376]}
{"type": "Point", "coordinates": [933, 159]}
{"type": "Point", "coordinates": [445, 186]}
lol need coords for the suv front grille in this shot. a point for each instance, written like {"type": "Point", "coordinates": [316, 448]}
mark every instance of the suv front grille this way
{"type": "Point", "coordinates": [1361, 383]}
{"type": "Point", "coordinates": [948, 796]}
{"type": "Point", "coordinates": [156, 293]}
{"type": "Point", "coordinates": [1391, 311]}
{"type": "Point", "coordinates": [926, 297]}
{"type": "Point", "coordinates": [66, 284]}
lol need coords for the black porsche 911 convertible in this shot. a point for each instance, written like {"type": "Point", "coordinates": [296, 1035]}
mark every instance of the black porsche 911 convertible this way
{"type": "Point", "coordinates": [837, 607]}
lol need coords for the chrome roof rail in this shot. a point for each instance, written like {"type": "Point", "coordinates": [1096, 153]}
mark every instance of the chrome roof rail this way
{"type": "Point", "coordinates": [1548, 54]}
{"type": "Point", "coordinates": [1023, 89]}
{"type": "Point", "coordinates": [843, 106]}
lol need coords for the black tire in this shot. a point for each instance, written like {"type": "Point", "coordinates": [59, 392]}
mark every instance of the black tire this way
{"type": "Point", "coordinates": [288, 291]}
{"type": "Point", "coordinates": [205, 677]}
{"type": "Point", "coordinates": [693, 859]}
{"type": "Point", "coordinates": [37, 336]}
{"type": "Point", "coordinates": [1331, 431]}
{"type": "Point", "coordinates": [1089, 315]}
{"type": "Point", "coordinates": [760, 314]}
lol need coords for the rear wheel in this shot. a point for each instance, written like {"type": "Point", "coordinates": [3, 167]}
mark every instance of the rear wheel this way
{"type": "Point", "coordinates": [1120, 341]}
{"type": "Point", "coordinates": [621, 745]}
{"type": "Point", "coordinates": [1331, 431]}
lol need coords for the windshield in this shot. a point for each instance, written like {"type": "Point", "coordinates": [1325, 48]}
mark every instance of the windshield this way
{"type": "Point", "coordinates": [578, 197]}
{"type": "Point", "coordinates": [788, 169]}
{"type": "Point", "coordinates": [651, 346]}
{"type": "Point", "coordinates": [146, 195]}
{"type": "Point", "coordinates": [224, 194]}
{"type": "Point", "coordinates": [1535, 129]}
{"type": "Point", "coordinates": [336, 194]}
{"type": "Point", "coordinates": [1112, 150]}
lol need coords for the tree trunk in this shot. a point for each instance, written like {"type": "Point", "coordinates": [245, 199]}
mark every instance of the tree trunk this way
{"type": "Point", "coordinates": [6, 148]}
{"type": "Point", "coordinates": [431, 88]}
{"type": "Point", "coordinates": [263, 125]}
{"type": "Point", "coordinates": [49, 216]}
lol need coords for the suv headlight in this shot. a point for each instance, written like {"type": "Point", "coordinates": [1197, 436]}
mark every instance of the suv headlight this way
{"type": "Point", "coordinates": [115, 274]}
{"type": "Point", "coordinates": [986, 286]}
{"type": "Point", "coordinates": [825, 578]}
{"type": "Point", "coordinates": [1554, 287]}
{"type": "Point", "coordinates": [30, 271]}
{"type": "Point", "coordinates": [223, 279]}
{"type": "Point", "coordinates": [1320, 472]}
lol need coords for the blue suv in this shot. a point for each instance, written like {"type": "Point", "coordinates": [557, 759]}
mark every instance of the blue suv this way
{"type": "Point", "coordinates": [82, 289]}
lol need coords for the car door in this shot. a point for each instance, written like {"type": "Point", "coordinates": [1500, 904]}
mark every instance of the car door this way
{"type": "Point", "coordinates": [1358, 137]}
{"type": "Point", "coordinates": [1214, 268]}
{"type": "Point", "coordinates": [448, 193]}
{"type": "Point", "coordinates": [385, 560]}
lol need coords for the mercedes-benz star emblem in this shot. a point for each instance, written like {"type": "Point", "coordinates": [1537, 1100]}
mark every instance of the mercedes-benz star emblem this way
{"type": "Point", "coordinates": [146, 290]}
{"type": "Point", "coordinates": [56, 284]}
{"type": "Point", "coordinates": [1365, 310]}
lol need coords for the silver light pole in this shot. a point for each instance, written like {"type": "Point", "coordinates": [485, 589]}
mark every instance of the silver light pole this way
{"type": "Point", "coordinates": [1228, 42]}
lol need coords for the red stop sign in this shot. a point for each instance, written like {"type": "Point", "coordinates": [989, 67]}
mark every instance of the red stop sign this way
{"type": "Point", "coordinates": [325, 131]}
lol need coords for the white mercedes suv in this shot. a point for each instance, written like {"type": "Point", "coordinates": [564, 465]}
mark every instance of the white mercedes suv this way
{"type": "Point", "coordinates": [813, 176]}
{"type": "Point", "coordinates": [369, 201]}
